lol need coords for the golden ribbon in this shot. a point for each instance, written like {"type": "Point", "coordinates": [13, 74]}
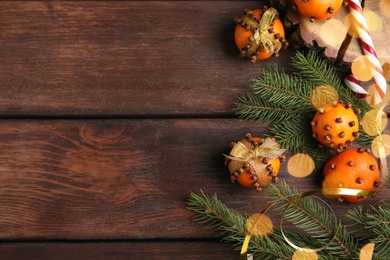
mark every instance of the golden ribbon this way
{"type": "Point", "coordinates": [262, 35]}
{"type": "Point", "coordinates": [268, 149]}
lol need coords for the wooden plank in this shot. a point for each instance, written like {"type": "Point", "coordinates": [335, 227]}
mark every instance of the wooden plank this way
{"type": "Point", "coordinates": [120, 179]}
{"type": "Point", "coordinates": [118, 250]}
{"type": "Point", "coordinates": [127, 58]}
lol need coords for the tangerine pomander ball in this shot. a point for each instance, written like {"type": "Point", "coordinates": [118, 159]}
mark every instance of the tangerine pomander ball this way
{"type": "Point", "coordinates": [256, 171]}
{"type": "Point", "coordinates": [354, 168]}
{"type": "Point", "coordinates": [335, 125]}
{"type": "Point", "coordinates": [318, 9]}
{"type": "Point", "coordinates": [248, 32]}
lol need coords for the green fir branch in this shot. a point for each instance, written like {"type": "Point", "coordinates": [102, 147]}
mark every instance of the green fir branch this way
{"type": "Point", "coordinates": [283, 90]}
{"type": "Point", "coordinates": [316, 221]}
{"type": "Point", "coordinates": [313, 218]}
{"type": "Point", "coordinates": [318, 71]}
{"type": "Point", "coordinates": [293, 134]}
{"type": "Point", "coordinates": [252, 107]}
{"type": "Point", "coordinates": [364, 139]}
{"type": "Point", "coordinates": [296, 136]}
{"type": "Point", "coordinates": [374, 226]}
{"type": "Point", "coordinates": [283, 101]}
{"type": "Point", "coordinates": [214, 214]}
{"type": "Point", "coordinates": [320, 156]}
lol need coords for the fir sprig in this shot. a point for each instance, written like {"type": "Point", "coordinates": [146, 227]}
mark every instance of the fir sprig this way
{"type": "Point", "coordinates": [283, 101]}
{"type": "Point", "coordinates": [313, 218]}
{"type": "Point", "coordinates": [374, 226]}
{"type": "Point", "coordinates": [214, 214]}
{"type": "Point", "coordinates": [317, 223]}
{"type": "Point", "coordinates": [252, 107]}
{"type": "Point", "coordinates": [318, 71]}
{"type": "Point", "coordinates": [283, 90]}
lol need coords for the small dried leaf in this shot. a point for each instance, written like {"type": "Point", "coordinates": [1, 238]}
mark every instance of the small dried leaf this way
{"type": "Point", "coordinates": [323, 95]}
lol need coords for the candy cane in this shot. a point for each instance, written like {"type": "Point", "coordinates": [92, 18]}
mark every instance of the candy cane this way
{"type": "Point", "coordinates": [369, 50]}
{"type": "Point", "coordinates": [353, 83]}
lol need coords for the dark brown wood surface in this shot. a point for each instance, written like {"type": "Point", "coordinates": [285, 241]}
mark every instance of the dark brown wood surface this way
{"type": "Point", "coordinates": [111, 113]}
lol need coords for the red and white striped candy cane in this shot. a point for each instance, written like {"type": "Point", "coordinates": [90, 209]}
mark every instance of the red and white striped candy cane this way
{"type": "Point", "coordinates": [353, 83]}
{"type": "Point", "coordinates": [369, 50]}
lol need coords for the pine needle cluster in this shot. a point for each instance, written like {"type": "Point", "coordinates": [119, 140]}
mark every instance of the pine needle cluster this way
{"type": "Point", "coordinates": [284, 101]}
{"type": "Point", "coordinates": [317, 224]}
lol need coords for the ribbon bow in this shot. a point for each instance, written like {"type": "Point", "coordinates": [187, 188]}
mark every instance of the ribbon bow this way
{"type": "Point", "coordinates": [269, 149]}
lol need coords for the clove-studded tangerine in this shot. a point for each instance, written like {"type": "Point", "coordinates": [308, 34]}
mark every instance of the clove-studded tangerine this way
{"type": "Point", "coordinates": [354, 168]}
{"type": "Point", "coordinates": [254, 162]}
{"type": "Point", "coordinates": [318, 9]}
{"type": "Point", "coordinates": [259, 34]}
{"type": "Point", "coordinates": [336, 125]}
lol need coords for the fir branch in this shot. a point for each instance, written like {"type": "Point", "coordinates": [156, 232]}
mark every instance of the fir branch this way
{"type": "Point", "coordinates": [252, 107]}
{"type": "Point", "coordinates": [283, 101]}
{"type": "Point", "coordinates": [214, 213]}
{"type": "Point", "coordinates": [312, 217]}
{"type": "Point", "coordinates": [319, 71]}
{"type": "Point", "coordinates": [283, 90]}
{"type": "Point", "coordinates": [319, 155]}
{"type": "Point", "coordinates": [296, 136]}
{"type": "Point", "coordinates": [374, 225]}
{"type": "Point", "coordinates": [364, 139]}
{"type": "Point", "coordinates": [292, 134]}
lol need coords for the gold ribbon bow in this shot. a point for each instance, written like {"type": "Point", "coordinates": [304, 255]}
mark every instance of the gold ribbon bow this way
{"type": "Point", "coordinates": [268, 149]}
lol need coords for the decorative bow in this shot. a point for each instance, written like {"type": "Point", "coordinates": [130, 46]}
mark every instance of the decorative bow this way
{"type": "Point", "coordinates": [268, 149]}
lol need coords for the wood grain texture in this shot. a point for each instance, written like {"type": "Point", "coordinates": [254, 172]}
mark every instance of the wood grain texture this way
{"type": "Point", "coordinates": [119, 179]}
{"type": "Point", "coordinates": [112, 112]}
{"type": "Point", "coordinates": [191, 250]}
{"type": "Point", "coordinates": [130, 58]}
{"type": "Point", "coordinates": [70, 179]}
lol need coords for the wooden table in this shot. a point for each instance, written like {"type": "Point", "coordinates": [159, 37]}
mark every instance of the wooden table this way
{"type": "Point", "coordinates": [111, 114]}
